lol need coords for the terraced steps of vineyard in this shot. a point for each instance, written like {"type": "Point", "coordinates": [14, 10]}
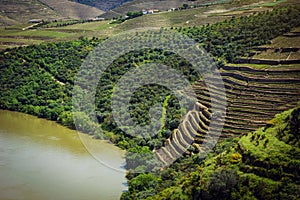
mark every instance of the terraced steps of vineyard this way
{"type": "Point", "coordinates": [249, 98]}
{"type": "Point", "coordinates": [288, 88]}
{"type": "Point", "coordinates": [200, 87]}
{"type": "Point", "coordinates": [241, 124]}
{"type": "Point", "coordinates": [255, 70]}
{"type": "Point", "coordinates": [194, 123]}
{"type": "Point", "coordinates": [244, 120]}
{"type": "Point", "coordinates": [268, 61]}
{"type": "Point", "coordinates": [253, 110]}
{"type": "Point", "coordinates": [228, 80]}
{"type": "Point", "coordinates": [254, 104]}
{"type": "Point", "coordinates": [262, 73]}
{"type": "Point", "coordinates": [267, 79]}
{"type": "Point", "coordinates": [252, 99]}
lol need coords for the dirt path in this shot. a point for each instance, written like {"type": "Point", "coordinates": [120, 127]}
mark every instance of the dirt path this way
{"type": "Point", "coordinates": [28, 27]}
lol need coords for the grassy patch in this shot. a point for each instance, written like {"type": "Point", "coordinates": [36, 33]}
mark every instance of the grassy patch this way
{"type": "Point", "coordinates": [18, 26]}
{"type": "Point", "coordinates": [19, 41]}
{"type": "Point", "coordinates": [272, 150]}
{"type": "Point", "coordinates": [263, 66]}
{"type": "Point", "coordinates": [263, 4]}
{"type": "Point", "coordinates": [270, 54]}
{"type": "Point", "coordinates": [285, 42]}
{"type": "Point", "coordinates": [71, 32]}
{"type": "Point", "coordinates": [297, 29]}
{"type": "Point", "coordinates": [184, 18]}
{"type": "Point", "coordinates": [41, 34]}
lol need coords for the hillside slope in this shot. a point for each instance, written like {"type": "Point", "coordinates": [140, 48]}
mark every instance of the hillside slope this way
{"type": "Point", "coordinates": [103, 4]}
{"type": "Point", "coordinates": [139, 5]}
{"type": "Point", "coordinates": [39, 80]}
{"type": "Point", "coordinates": [260, 165]}
{"type": "Point", "coordinates": [72, 10]}
{"type": "Point", "coordinates": [204, 14]}
{"type": "Point", "coordinates": [21, 35]}
{"type": "Point", "coordinates": [17, 12]}
{"type": "Point", "coordinates": [254, 95]}
{"type": "Point", "coordinates": [172, 5]}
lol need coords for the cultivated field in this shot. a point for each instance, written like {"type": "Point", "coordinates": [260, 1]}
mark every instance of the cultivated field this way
{"type": "Point", "coordinates": [284, 49]}
{"type": "Point", "coordinates": [20, 35]}
{"type": "Point", "coordinates": [161, 5]}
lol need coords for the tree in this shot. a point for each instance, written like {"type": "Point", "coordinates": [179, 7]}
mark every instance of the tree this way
{"type": "Point", "coordinates": [185, 6]}
{"type": "Point", "coordinates": [143, 182]}
{"type": "Point", "coordinates": [222, 183]}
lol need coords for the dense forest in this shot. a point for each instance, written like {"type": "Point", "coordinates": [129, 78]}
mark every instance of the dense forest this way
{"type": "Point", "coordinates": [39, 80]}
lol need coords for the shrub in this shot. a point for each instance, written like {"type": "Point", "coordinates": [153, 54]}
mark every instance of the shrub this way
{"type": "Point", "coordinates": [235, 158]}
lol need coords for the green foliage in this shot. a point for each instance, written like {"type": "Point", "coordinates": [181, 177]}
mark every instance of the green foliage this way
{"type": "Point", "coordinates": [134, 14]}
{"type": "Point", "coordinates": [268, 171]}
{"type": "Point", "coordinates": [235, 158]}
{"type": "Point", "coordinates": [290, 131]}
{"type": "Point", "coordinates": [222, 184]}
{"type": "Point", "coordinates": [234, 38]}
{"type": "Point", "coordinates": [174, 193]}
{"type": "Point", "coordinates": [142, 99]}
{"type": "Point", "coordinates": [146, 183]}
{"type": "Point", "coordinates": [66, 119]}
{"type": "Point", "coordinates": [140, 159]}
{"type": "Point", "coordinates": [38, 79]}
{"type": "Point", "coordinates": [243, 168]}
{"type": "Point", "coordinates": [143, 181]}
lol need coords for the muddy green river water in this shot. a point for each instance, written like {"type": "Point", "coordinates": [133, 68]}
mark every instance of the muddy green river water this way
{"type": "Point", "coordinates": [40, 159]}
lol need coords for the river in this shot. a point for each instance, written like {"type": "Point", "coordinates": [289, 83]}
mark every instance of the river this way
{"type": "Point", "coordinates": [39, 159]}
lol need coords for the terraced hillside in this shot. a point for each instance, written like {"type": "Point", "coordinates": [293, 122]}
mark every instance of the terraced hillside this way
{"type": "Point", "coordinates": [282, 50]}
{"type": "Point", "coordinates": [254, 96]}
{"type": "Point", "coordinates": [255, 93]}
{"type": "Point", "coordinates": [263, 164]}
